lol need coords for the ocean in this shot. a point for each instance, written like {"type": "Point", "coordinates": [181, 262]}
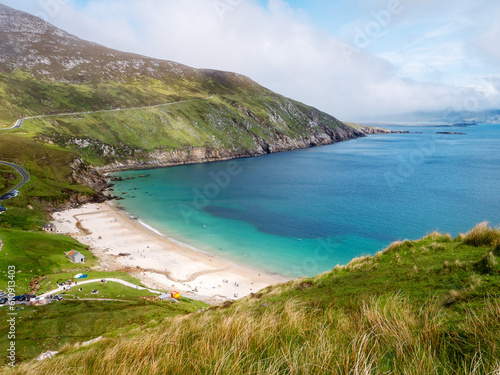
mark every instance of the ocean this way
{"type": "Point", "coordinates": [302, 212]}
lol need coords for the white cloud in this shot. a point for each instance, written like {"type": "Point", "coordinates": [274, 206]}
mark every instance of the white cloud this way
{"type": "Point", "coordinates": [279, 48]}
{"type": "Point", "coordinates": [487, 41]}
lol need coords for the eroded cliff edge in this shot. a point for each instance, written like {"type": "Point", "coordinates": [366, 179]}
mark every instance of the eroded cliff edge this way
{"type": "Point", "coordinates": [193, 155]}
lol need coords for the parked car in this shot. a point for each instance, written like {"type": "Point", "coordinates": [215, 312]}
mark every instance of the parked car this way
{"type": "Point", "coordinates": [58, 297]}
{"type": "Point", "coordinates": [3, 300]}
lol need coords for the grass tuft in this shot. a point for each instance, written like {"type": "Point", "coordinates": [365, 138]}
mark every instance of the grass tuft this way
{"type": "Point", "coordinates": [482, 235]}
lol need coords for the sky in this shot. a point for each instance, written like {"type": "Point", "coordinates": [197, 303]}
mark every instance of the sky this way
{"type": "Point", "coordinates": [355, 59]}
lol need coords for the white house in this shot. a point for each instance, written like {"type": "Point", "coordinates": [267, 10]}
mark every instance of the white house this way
{"type": "Point", "coordinates": [50, 227]}
{"type": "Point", "coordinates": [76, 257]}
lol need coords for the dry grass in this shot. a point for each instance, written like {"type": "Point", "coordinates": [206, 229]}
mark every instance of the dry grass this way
{"type": "Point", "coordinates": [437, 246]}
{"type": "Point", "coordinates": [383, 335]}
{"type": "Point", "coordinates": [482, 235]}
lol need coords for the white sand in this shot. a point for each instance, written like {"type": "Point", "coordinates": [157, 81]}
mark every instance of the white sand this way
{"type": "Point", "coordinates": [163, 264]}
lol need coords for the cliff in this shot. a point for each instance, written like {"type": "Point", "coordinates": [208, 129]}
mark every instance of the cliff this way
{"type": "Point", "coordinates": [192, 155]}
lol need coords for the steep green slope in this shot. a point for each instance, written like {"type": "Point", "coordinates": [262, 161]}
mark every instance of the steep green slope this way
{"type": "Point", "coordinates": [422, 307]}
{"type": "Point", "coordinates": [52, 183]}
{"type": "Point", "coordinates": [244, 125]}
{"type": "Point", "coordinates": [24, 94]}
{"type": "Point", "coordinates": [222, 112]}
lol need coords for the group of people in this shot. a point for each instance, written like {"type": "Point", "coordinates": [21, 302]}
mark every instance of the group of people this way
{"type": "Point", "coordinates": [227, 282]}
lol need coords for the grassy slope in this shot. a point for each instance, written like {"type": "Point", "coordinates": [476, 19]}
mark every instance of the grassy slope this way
{"type": "Point", "coordinates": [421, 307]}
{"type": "Point", "coordinates": [8, 178]}
{"type": "Point", "coordinates": [42, 328]}
{"type": "Point", "coordinates": [50, 180]}
{"type": "Point", "coordinates": [49, 327]}
{"type": "Point", "coordinates": [225, 122]}
{"type": "Point", "coordinates": [36, 254]}
{"type": "Point", "coordinates": [21, 95]}
{"type": "Point", "coordinates": [240, 112]}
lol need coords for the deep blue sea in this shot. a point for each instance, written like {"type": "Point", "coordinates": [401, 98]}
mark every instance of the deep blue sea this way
{"type": "Point", "coordinates": [302, 212]}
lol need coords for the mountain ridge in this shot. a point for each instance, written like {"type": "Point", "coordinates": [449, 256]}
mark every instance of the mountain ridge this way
{"type": "Point", "coordinates": [45, 70]}
{"type": "Point", "coordinates": [76, 60]}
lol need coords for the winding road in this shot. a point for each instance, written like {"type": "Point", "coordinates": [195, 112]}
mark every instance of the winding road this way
{"type": "Point", "coordinates": [19, 122]}
{"type": "Point", "coordinates": [19, 170]}
{"type": "Point", "coordinates": [119, 281]}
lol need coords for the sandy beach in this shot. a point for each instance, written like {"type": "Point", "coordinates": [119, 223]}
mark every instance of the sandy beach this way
{"type": "Point", "coordinates": [124, 243]}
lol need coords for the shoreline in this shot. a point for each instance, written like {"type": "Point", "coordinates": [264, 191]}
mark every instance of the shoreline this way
{"type": "Point", "coordinates": [183, 267]}
{"type": "Point", "coordinates": [188, 249]}
{"type": "Point", "coordinates": [124, 243]}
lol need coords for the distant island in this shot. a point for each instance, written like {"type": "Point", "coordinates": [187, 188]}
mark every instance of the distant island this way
{"type": "Point", "coordinates": [465, 123]}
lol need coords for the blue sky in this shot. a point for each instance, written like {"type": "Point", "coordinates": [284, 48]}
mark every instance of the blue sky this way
{"type": "Point", "coordinates": [353, 59]}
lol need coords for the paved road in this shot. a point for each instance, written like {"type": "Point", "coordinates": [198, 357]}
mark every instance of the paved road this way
{"type": "Point", "coordinates": [21, 171]}
{"type": "Point", "coordinates": [20, 121]}
{"type": "Point", "coordinates": [83, 281]}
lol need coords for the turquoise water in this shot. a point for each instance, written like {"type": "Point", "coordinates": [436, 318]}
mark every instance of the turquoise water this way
{"type": "Point", "coordinates": [302, 212]}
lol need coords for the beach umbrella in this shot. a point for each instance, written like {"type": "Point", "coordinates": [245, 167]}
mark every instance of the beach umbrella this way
{"type": "Point", "coordinates": [175, 295]}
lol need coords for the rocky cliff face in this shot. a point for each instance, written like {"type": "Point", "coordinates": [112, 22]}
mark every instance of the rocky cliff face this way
{"type": "Point", "coordinates": [193, 155]}
{"type": "Point", "coordinates": [96, 179]}
{"type": "Point", "coordinates": [374, 130]}
{"type": "Point", "coordinates": [88, 176]}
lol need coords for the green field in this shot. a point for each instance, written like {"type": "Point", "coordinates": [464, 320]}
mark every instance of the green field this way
{"type": "Point", "coordinates": [108, 290]}
{"type": "Point", "coordinates": [41, 256]}
{"type": "Point", "coordinates": [37, 254]}
{"type": "Point", "coordinates": [51, 280]}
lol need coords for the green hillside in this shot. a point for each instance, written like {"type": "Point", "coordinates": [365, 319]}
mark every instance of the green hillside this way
{"type": "Point", "coordinates": [419, 307]}
{"type": "Point", "coordinates": [245, 118]}
{"type": "Point", "coordinates": [40, 263]}
{"type": "Point", "coordinates": [422, 307]}
{"type": "Point", "coordinates": [23, 95]}
{"type": "Point", "coordinates": [51, 183]}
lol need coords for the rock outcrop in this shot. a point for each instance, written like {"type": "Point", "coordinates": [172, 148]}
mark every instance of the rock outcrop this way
{"type": "Point", "coordinates": [193, 155]}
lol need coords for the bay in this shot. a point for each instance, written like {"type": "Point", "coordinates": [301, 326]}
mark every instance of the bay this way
{"type": "Point", "coordinates": [300, 213]}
